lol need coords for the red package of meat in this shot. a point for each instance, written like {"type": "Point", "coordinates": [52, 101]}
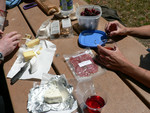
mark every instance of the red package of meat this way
{"type": "Point", "coordinates": [82, 64]}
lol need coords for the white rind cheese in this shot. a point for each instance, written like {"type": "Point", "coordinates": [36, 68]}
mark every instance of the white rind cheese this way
{"type": "Point", "coordinates": [53, 95]}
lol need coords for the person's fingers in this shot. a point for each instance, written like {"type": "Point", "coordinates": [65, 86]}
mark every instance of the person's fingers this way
{"type": "Point", "coordinates": [114, 33]}
{"type": "Point", "coordinates": [11, 34]}
{"type": "Point", "coordinates": [16, 37]}
{"type": "Point", "coordinates": [104, 63]}
{"type": "Point", "coordinates": [107, 26]}
{"type": "Point", "coordinates": [15, 43]}
{"type": "Point", "coordinates": [1, 32]}
{"type": "Point", "coordinates": [103, 50]}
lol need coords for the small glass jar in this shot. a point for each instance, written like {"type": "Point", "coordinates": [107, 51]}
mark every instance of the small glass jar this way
{"type": "Point", "coordinates": [2, 18]}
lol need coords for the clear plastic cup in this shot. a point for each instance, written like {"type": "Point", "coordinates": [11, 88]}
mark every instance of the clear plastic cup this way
{"type": "Point", "coordinates": [94, 101]}
{"type": "Point", "coordinates": [88, 22]}
{"type": "Point", "coordinates": [110, 44]}
{"type": "Point", "coordinates": [2, 19]}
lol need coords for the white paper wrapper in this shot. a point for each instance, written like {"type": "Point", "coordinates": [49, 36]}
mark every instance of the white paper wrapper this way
{"type": "Point", "coordinates": [36, 102]}
{"type": "Point", "coordinates": [44, 61]}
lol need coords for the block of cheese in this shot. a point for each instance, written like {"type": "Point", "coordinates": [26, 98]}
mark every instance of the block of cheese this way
{"type": "Point", "coordinates": [28, 55]}
{"type": "Point", "coordinates": [38, 52]}
{"type": "Point", "coordinates": [53, 95]}
{"type": "Point", "coordinates": [33, 42]}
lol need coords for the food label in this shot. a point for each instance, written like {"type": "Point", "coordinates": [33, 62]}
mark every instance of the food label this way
{"type": "Point", "coordinates": [66, 5]}
{"type": "Point", "coordinates": [66, 23]}
{"type": "Point", "coordinates": [55, 28]}
{"type": "Point", "coordinates": [84, 63]}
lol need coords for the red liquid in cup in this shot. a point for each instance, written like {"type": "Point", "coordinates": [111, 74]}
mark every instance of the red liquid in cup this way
{"type": "Point", "coordinates": [96, 102]}
{"type": "Point", "coordinates": [110, 48]}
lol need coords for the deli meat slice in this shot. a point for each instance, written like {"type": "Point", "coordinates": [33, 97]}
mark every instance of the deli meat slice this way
{"type": "Point", "coordinates": [83, 65]}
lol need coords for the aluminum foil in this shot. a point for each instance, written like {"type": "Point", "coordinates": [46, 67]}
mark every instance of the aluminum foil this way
{"type": "Point", "coordinates": [36, 102]}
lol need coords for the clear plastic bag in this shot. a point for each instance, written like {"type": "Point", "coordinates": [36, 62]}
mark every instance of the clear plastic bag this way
{"type": "Point", "coordinates": [82, 65]}
{"type": "Point", "coordinates": [61, 29]}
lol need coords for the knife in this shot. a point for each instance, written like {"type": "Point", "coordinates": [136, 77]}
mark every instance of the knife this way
{"type": "Point", "coordinates": [19, 74]}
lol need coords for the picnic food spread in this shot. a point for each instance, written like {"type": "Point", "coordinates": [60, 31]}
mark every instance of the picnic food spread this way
{"type": "Point", "coordinates": [55, 96]}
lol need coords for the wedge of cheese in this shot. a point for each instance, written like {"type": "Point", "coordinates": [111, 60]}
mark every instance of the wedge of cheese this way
{"type": "Point", "coordinates": [53, 95]}
{"type": "Point", "coordinates": [28, 55]}
{"type": "Point", "coordinates": [33, 42]}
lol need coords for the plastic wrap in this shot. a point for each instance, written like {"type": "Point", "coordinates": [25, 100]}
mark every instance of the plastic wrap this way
{"type": "Point", "coordinates": [82, 64]}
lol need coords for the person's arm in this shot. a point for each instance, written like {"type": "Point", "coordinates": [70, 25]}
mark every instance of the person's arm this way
{"type": "Point", "coordinates": [138, 73]}
{"type": "Point", "coordinates": [139, 31]}
{"type": "Point", "coordinates": [114, 28]}
{"type": "Point", "coordinates": [113, 59]}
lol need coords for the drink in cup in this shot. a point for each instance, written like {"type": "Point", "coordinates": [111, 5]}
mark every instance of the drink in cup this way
{"type": "Point", "coordinates": [94, 102]}
{"type": "Point", "coordinates": [110, 44]}
{"type": "Point", "coordinates": [110, 48]}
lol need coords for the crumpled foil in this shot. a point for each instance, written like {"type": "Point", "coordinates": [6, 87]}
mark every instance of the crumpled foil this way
{"type": "Point", "coordinates": [36, 102]}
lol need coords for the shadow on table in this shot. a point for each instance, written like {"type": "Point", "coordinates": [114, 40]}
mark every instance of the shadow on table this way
{"type": "Point", "coordinates": [144, 63]}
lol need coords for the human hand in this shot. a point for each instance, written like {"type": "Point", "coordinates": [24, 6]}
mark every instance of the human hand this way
{"type": "Point", "coordinates": [1, 32]}
{"type": "Point", "coordinates": [9, 42]}
{"type": "Point", "coordinates": [115, 28]}
{"type": "Point", "coordinates": [112, 59]}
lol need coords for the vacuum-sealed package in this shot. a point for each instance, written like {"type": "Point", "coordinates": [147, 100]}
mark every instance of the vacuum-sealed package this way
{"type": "Point", "coordinates": [82, 64]}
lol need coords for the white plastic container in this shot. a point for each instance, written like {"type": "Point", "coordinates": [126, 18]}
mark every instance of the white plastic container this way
{"type": "Point", "coordinates": [88, 22]}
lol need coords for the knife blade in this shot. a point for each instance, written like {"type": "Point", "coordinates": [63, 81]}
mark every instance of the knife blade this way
{"type": "Point", "coordinates": [19, 74]}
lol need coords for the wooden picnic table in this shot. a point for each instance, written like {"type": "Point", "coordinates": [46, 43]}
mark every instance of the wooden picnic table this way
{"type": "Point", "coordinates": [124, 94]}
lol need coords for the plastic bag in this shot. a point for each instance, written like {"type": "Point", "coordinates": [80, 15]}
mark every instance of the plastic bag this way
{"type": "Point", "coordinates": [82, 64]}
{"type": "Point", "coordinates": [61, 29]}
